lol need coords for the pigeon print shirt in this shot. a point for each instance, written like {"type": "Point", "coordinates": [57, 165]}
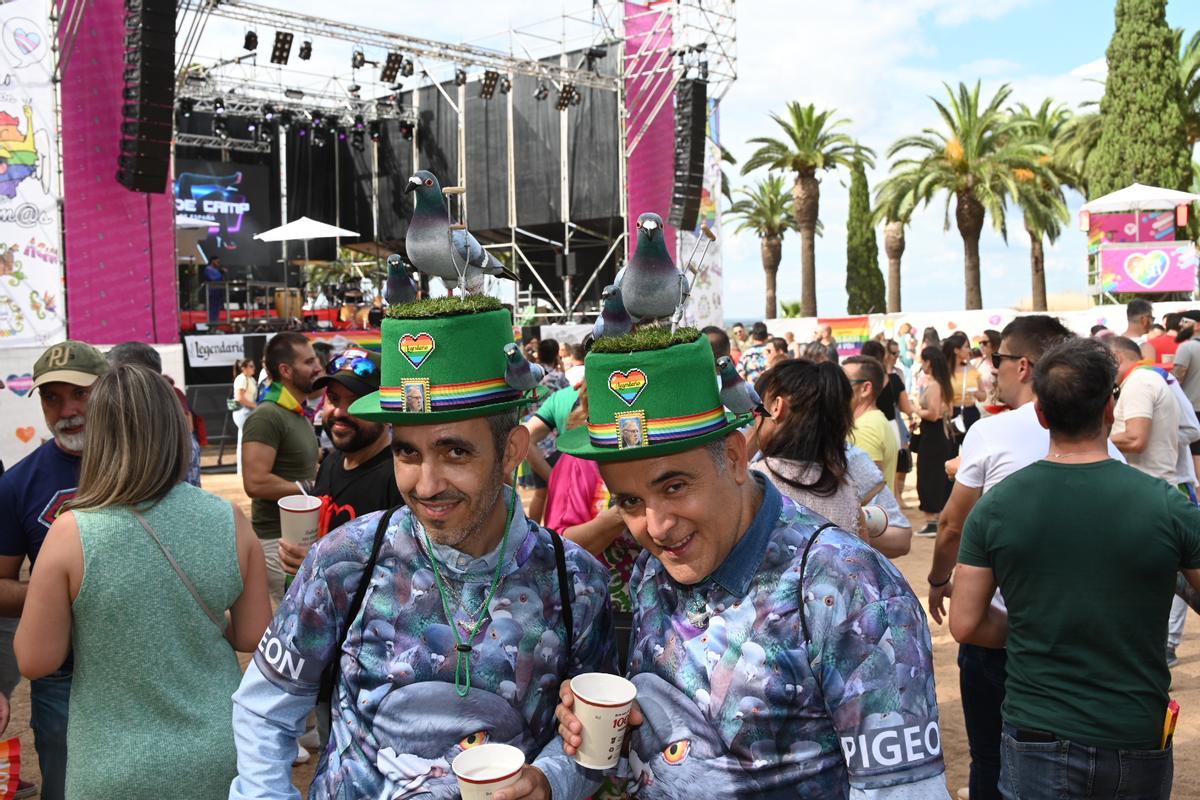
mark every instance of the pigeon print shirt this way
{"type": "Point", "coordinates": [738, 704]}
{"type": "Point", "coordinates": [397, 720]}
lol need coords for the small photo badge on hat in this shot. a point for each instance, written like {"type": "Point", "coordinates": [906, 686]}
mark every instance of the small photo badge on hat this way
{"type": "Point", "coordinates": [416, 348]}
{"type": "Point", "coordinates": [628, 385]}
{"type": "Point", "coordinates": [416, 395]}
{"type": "Point", "coordinates": [631, 429]}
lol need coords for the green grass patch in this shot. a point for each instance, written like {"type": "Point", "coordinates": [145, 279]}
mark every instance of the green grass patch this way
{"type": "Point", "coordinates": [656, 338]}
{"type": "Point", "coordinates": [444, 307]}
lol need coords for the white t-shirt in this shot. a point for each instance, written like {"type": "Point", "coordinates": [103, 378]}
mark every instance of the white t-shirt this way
{"type": "Point", "coordinates": [1145, 395]}
{"type": "Point", "coordinates": [244, 381]}
{"type": "Point", "coordinates": [999, 445]}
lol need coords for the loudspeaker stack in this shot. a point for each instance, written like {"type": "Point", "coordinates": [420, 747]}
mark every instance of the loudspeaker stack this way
{"type": "Point", "coordinates": [691, 114]}
{"type": "Point", "coordinates": [149, 95]}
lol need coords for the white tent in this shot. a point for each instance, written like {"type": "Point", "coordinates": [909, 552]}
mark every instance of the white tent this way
{"type": "Point", "coordinates": [1140, 197]}
{"type": "Point", "coordinates": [302, 229]}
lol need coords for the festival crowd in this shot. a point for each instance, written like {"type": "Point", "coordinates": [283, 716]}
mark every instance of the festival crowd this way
{"type": "Point", "coordinates": [484, 538]}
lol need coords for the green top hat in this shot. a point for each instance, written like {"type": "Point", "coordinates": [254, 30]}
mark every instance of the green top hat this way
{"type": "Point", "coordinates": [650, 393]}
{"type": "Point", "coordinates": [443, 360]}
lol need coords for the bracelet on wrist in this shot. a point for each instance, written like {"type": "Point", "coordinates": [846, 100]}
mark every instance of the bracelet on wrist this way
{"type": "Point", "coordinates": [937, 584]}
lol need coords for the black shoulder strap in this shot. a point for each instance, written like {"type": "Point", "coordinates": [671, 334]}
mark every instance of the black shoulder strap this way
{"type": "Point", "coordinates": [560, 563]}
{"type": "Point", "coordinates": [331, 672]}
{"type": "Point", "coordinates": [803, 567]}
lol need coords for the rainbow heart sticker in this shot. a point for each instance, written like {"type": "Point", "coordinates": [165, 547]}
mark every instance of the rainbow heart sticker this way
{"type": "Point", "coordinates": [416, 348]}
{"type": "Point", "coordinates": [20, 385]}
{"type": "Point", "coordinates": [1148, 269]}
{"type": "Point", "coordinates": [628, 385]}
{"type": "Point", "coordinates": [26, 41]}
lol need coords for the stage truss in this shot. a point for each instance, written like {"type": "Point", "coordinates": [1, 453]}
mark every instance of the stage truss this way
{"type": "Point", "coordinates": [689, 38]}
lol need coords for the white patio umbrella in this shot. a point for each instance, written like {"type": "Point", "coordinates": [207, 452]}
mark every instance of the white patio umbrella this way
{"type": "Point", "coordinates": [302, 229]}
{"type": "Point", "coordinates": [1140, 197]}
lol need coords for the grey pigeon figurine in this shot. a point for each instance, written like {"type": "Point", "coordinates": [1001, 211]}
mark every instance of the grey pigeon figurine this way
{"type": "Point", "coordinates": [520, 373]}
{"type": "Point", "coordinates": [737, 395]}
{"type": "Point", "coordinates": [614, 320]}
{"type": "Point", "coordinates": [651, 287]}
{"type": "Point", "coordinates": [399, 287]}
{"type": "Point", "coordinates": [438, 251]}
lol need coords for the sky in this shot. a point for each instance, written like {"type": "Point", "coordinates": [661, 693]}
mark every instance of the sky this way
{"type": "Point", "coordinates": [876, 63]}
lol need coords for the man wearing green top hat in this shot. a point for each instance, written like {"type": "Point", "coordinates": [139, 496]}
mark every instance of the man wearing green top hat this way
{"type": "Point", "coordinates": [441, 626]}
{"type": "Point", "coordinates": [774, 655]}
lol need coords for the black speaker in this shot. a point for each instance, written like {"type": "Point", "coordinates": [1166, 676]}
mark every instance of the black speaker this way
{"type": "Point", "coordinates": [691, 117]}
{"type": "Point", "coordinates": [567, 264]}
{"type": "Point", "coordinates": [148, 93]}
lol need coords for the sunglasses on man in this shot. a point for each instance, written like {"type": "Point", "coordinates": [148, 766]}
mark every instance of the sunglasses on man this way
{"type": "Point", "coordinates": [998, 359]}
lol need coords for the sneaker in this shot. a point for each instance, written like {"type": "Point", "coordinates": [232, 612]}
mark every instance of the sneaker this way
{"type": "Point", "coordinates": [1172, 659]}
{"type": "Point", "coordinates": [310, 740]}
{"type": "Point", "coordinates": [929, 531]}
{"type": "Point", "coordinates": [302, 756]}
{"type": "Point", "coordinates": [963, 794]}
{"type": "Point", "coordinates": [25, 789]}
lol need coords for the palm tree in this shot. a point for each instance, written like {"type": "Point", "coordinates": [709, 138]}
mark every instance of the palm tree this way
{"type": "Point", "coordinates": [812, 142]}
{"type": "Point", "coordinates": [1076, 143]}
{"type": "Point", "coordinates": [895, 200]}
{"type": "Point", "coordinates": [973, 160]}
{"type": "Point", "coordinates": [767, 210]}
{"type": "Point", "coordinates": [1189, 78]}
{"type": "Point", "coordinates": [1042, 203]}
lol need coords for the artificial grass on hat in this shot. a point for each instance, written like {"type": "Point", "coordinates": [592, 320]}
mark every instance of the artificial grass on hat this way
{"type": "Point", "coordinates": [443, 360]}
{"type": "Point", "coordinates": [650, 393]}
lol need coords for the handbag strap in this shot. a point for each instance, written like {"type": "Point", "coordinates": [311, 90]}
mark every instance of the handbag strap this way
{"type": "Point", "coordinates": [219, 621]}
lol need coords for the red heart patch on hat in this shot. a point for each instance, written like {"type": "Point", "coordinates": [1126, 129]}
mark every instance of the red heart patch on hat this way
{"type": "Point", "coordinates": [628, 385]}
{"type": "Point", "coordinates": [26, 434]}
{"type": "Point", "coordinates": [416, 348]}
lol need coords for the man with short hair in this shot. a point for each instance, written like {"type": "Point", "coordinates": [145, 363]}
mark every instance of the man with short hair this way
{"type": "Point", "coordinates": [1146, 421]}
{"type": "Point", "coordinates": [31, 494]}
{"type": "Point", "coordinates": [754, 357]}
{"type": "Point", "coordinates": [778, 351]}
{"type": "Point", "coordinates": [872, 431]}
{"type": "Point", "coordinates": [446, 624]}
{"type": "Point", "coordinates": [826, 340]}
{"type": "Point", "coordinates": [1140, 316]}
{"type": "Point", "coordinates": [717, 339]}
{"type": "Point", "coordinates": [774, 655]}
{"type": "Point", "coordinates": [1086, 552]}
{"type": "Point", "coordinates": [279, 446]}
{"type": "Point", "coordinates": [994, 448]}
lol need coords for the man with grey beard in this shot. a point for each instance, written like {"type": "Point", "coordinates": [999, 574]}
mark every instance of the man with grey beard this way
{"type": "Point", "coordinates": [31, 494]}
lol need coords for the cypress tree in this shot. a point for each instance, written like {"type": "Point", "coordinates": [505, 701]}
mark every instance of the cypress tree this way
{"type": "Point", "coordinates": [864, 280]}
{"type": "Point", "coordinates": [1143, 137]}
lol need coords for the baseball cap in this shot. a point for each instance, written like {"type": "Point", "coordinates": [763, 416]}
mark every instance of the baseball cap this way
{"type": "Point", "coordinates": [74, 362]}
{"type": "Point", "coordinates": [356, 369]}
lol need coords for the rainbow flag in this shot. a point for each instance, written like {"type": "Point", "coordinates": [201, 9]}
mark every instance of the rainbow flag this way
{"type": "Point", "coordinates": [10, 767]}
{"type": "Point", "coordinates": [366, 340]}
{"type": "Point", "coordinates": [849, 332]}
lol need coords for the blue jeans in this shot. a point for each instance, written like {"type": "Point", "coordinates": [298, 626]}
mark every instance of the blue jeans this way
{"type": "Point", "coordinates": [49, 698]}
{"type": "Point", "coordinates": [1062, 769]}
{"type": "Point", "coordinates": [981, 674]}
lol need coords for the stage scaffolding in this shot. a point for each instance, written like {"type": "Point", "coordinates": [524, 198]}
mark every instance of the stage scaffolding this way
{"type": "Point", "coordinates": [688, 38]}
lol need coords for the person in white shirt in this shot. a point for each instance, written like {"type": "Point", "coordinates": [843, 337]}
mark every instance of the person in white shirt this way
{"type": "Point", "coordinates": [995, 447]}
{"type": "Point", "coordinates": [245, 396]}
{"type": "Point", "coordinates": [1146, 425]}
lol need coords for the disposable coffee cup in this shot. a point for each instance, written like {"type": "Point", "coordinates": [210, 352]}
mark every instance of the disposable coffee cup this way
{"type": "Point", "coordinates": [602, 704]}
{"type": "Point", "coordinates": [877, 520]}
{"type": "Point", "coordinates": [484, 770]}
{"type": "Point", "coordinates": [298, 518]}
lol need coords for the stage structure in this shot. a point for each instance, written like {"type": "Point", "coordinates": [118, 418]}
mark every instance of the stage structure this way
{"type": "Point", "coordinates": [551, 153]}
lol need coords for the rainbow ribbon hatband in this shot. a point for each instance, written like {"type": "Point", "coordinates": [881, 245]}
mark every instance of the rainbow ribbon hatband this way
{"type": "Point", "coordinates": [667, 429]}
{"type": "Point", "coordinates": [449, 396]}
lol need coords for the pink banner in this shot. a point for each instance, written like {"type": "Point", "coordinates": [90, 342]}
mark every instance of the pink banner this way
{"type": "Point", "coordinates": [650, 167]}
{"type": "Point", "coordinates": [1147, 226]}
{"type": "Point", "coordinates": [1163, 267]}
{"type": "Point", "coordinates": [119, 245]}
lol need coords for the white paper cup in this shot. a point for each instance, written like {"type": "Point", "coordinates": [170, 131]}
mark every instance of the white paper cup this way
{"type": "Point", "coordinates": [299, 516]}
{"type": "Point", "coordinates": [602, 704]}
{"type": "Point", "coordinates": [484, 770]}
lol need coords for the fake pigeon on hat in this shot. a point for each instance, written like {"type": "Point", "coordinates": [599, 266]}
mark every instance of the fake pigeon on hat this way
{"type": "Point", "coordinates": [519, 372]}
{"type": "Point", "coordinates": [736, 394]}
{"type": "Point", "coordinates": [651, 287]}
{"type": "Point", "coordinates": [400, 287]}
{"type": "Point", "coordinates": [613, 320]}
{"type": "Point", "coordinates": [455, 256]}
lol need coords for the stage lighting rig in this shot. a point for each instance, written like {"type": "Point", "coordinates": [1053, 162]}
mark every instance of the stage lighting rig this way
{"type": "Point", "coordinates": [541, 92]}
{"type": "Point", "coordinates": [358, 141]}
{"type": "Point", "coordinates": [407, 70]}
{"type": "Point", "coordinates": [359, 124]}
{"type": "Point", "coordinates": [488, 87]}
{"type": "Point", "coordinates": [219, 107]}
{"type": "Point", "coordinates": [375, 130]}
{"type": "Point", "coordinates": [268, 112]}
{"type": "Point", "coordinates": [282, 51]}
{"type": "Point", "coordinates": [220, 128]}
{"type": "Point", "coordinates": [341, 133]}
{"type": "Point", "coordinates": [251, 126]}
{"type": "Point", "coordinates": [318, 119]}
{"type": "Point", "coordinates": [505, 85]}
{"type": "Point", "coordinates": [286, 118]}
{"type": "Point", "coordinates": [460, 76]}
{"type": "Point", "coordinates": [293, 94]}
{"type": "Point", "coordinates": [357, 59]}
{"type": "Point", "coordinates": [406, 130]}
{"type": "Point", "coordinates": [251, 41]}
{"type": "Point", "coordinates": [266, 132]}
{"type": "Point", "coordinates": [186, 106]}
{"type": "Point", "coordinates": [594, 54]}
{"type": "Point", "coordinates": [302, 129]}
{"type": "Point", "coordinates": [565, 97]}
{"type": "Point", "coordinates": [305, 50]}
{"type": "Point", "coordinates": [391, 68]}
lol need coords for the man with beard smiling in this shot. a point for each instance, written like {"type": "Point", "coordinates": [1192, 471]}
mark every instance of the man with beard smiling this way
{"type": "Point", "coordinates": [440, 626]}
{"type": "Point", "coordinates": [775, 655]}
{"type": "Point", "coordinates": [31, 494]}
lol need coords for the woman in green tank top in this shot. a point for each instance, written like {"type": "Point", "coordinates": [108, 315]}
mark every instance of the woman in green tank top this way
{"type": "Point", "coordinates": [155, 667]}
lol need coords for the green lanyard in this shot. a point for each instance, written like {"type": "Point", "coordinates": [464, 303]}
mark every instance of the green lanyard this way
{"type": "Point", "coordinates": [462, 662]}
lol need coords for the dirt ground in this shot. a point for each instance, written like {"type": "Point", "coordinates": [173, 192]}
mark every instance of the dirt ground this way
{"type": "Point", "coordinates": [915, 566]}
